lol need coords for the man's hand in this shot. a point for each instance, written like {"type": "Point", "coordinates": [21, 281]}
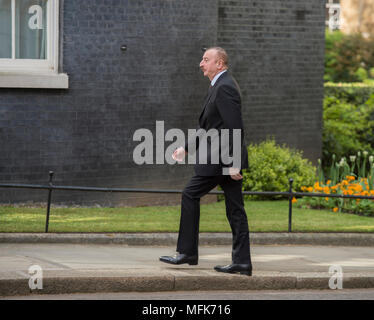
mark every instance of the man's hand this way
{"type": "Point", "coordinates": [179, 154]}
{"type": "Point", "coordinates": [235, 174]}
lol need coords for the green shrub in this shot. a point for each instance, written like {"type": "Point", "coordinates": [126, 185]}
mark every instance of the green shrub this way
{"type": "Point", "coordinates": [348, 121]}
{"type": "Point", "coordinates": [361, 74]}
{"type": "Point", "coordinates": [271, 166]}
{"type": "Point", "coordinates": [369, 82]}
{"type": "Point", "coordinates": [371, 73]}
{"type": "Point", "coordinates": [345, 54]}
{"type": "Point", "coordinates": [346, 129]}
{"type": "Point", "coordinates": [356, 93]}
{"type": "Point", "coordinates": [331, 55]}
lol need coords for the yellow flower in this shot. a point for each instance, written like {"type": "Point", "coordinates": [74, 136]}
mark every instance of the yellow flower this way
{"type": "Point", "coordinates": [327, 199]}
{"type": "Point", "coordinates": [310, 189]}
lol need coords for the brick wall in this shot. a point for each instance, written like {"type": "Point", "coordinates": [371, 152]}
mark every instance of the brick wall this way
{"type": "Point", "coordinates": [277, 52]}
{"type": "Point", "coordinates": [84, 134]}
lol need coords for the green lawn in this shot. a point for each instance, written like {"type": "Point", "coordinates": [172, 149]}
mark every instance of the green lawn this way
{"type": "Point", "coordinates": [263, 216]}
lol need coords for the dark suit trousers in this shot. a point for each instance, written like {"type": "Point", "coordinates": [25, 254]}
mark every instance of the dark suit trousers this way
{"type": "Point", "coordinates": [199, 186]}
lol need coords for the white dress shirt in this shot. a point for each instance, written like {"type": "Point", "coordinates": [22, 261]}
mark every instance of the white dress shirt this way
{"type": "Point", "coordinates": [216, 77]}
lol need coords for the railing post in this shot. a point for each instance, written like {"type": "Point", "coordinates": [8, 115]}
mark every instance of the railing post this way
{"type": "Point", "coordinates": [49, 200]}
{"type": "Point", "coordinates": [290, 207]}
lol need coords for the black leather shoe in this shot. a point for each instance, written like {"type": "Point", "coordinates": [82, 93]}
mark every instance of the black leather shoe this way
{"type": "Point", "coordinates": [180, 259]}
{"type": "Point", "coordinates": [235, 268]}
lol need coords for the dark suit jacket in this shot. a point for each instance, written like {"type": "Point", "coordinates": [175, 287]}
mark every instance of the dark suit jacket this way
{"type": "Point", "coordinates": [221, 110]}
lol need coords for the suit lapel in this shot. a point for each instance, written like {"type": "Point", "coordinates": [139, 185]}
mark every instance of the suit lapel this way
{"type": "Point", "coordinates": [207, 99]}
{"type": "Point", "coordinates": [210, 92]}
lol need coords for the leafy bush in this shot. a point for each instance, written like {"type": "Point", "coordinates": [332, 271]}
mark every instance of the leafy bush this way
{"type": "Point", "coordinates": [347, 55]}
{"type": "Point", "coordinates": [361, 74]}
{"type": "Point", "coordinates": [346, 129]}
{"type": "Point", "coordinates": [348, 121]}
{"type": "Point", "coordinates": [271, 166]}
{"type": "Point", "coordinates": [371, 72]}
{"type": "Point", "coordinates": [356, 93]}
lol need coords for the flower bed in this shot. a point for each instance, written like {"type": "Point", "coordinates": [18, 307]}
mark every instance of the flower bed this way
{"type": "Point", "coordinates": [344, 184]}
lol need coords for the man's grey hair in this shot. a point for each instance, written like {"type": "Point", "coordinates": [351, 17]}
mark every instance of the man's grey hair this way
{"type": "Point", "coordinates": [222, 54]}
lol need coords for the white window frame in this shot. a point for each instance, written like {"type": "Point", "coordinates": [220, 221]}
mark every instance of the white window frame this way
{"type": "Point", "coordinates": [334, 16]}
{"type": "Point", "coordinates": [34, 73]}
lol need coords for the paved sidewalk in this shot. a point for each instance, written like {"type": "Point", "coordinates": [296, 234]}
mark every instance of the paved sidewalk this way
{"type": "Point", "coordinates": [110, 267]}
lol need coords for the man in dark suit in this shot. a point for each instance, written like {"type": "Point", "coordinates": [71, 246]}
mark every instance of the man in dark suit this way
{"type": "Point", "coordinates": [221, 110]}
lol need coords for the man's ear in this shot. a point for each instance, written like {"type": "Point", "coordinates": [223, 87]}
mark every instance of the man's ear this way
{"type": "Point", "coordinates": [220, 63]}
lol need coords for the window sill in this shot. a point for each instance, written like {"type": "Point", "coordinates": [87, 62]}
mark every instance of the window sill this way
{"type": "Point", "coordinates": [34, 80]}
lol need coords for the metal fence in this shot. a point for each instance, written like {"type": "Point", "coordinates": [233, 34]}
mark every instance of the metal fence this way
{"type": "Point", "coordinates": [289, 194]}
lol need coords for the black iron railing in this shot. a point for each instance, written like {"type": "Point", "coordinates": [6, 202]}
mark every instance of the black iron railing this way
{"type": "Point", "coordinates": [290, 194]}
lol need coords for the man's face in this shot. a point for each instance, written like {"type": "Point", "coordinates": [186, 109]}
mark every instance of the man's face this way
{"type": "Point", "coordinates": [210, 64]}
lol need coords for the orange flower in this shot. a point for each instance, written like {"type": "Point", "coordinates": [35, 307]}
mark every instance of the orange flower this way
{"type": "Point", "coordinates": [317, 187]}
{"type": "Point", "coordinates": [335, 209]}
{"type": "Point", "coordinates": [294, 200]}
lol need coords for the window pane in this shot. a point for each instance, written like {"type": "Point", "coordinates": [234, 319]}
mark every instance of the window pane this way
{"type": "Point", "coordinates": [5, 29]}
{"type": "Point", "coordinates": [31, 29]}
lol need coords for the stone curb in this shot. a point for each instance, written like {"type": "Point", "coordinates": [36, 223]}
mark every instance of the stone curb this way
{"type": "Point", "coordinates": [65, 285]}
{"type": "Point", "coordinates": [166, 239]}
